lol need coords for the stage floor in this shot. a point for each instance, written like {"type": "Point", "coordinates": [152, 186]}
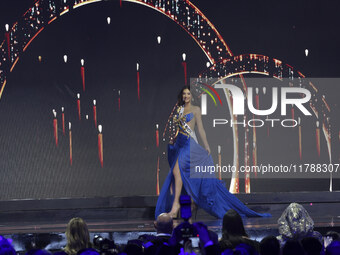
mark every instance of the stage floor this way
{"type": "Point", "coordinates": [142, 225]}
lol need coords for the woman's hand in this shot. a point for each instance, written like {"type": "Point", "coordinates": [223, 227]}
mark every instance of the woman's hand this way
{"type": "Point", "coordinates": [207, 148]}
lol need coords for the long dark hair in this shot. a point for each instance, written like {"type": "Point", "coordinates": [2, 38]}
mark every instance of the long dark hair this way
{"type": "Point", "coordinates": [233, 230]}
{"type": "Point", "coordinates": [180, 101]}
{"type": "Point", "coordinates": [233, 224]}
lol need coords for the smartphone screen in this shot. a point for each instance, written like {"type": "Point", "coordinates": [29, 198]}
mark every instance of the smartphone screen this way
{"type": "Point", "coordinates": [194, 242]}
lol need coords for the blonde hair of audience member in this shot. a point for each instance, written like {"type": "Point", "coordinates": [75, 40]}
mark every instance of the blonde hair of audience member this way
{"type": "Point", "coordinates": [77, 235]}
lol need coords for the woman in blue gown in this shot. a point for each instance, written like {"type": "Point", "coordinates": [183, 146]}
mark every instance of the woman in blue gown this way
{"type": "Point", "coordinates": [207, 192]}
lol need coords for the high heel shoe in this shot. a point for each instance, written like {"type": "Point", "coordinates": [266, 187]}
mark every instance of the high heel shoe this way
{"type": "Point", "coordinates": [175, 215]}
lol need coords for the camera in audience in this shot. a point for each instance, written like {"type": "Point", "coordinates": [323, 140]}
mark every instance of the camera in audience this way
{"type": "Point", "coordinates": [104, 245]}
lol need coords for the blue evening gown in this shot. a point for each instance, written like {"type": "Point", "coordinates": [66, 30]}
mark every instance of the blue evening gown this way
{"type": "Point", "coordinates": [207, 192]}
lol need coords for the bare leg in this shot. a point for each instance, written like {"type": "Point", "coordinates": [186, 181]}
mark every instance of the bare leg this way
{"type": "Point", "coordinates": [178, 189]}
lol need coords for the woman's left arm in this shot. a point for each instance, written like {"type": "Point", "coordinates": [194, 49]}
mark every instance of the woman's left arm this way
{"type": "Point", "coordinates": [200, 128]}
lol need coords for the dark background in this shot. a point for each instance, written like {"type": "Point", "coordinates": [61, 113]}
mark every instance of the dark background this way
{"type": "Point", "coordinates": [31, 166]}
